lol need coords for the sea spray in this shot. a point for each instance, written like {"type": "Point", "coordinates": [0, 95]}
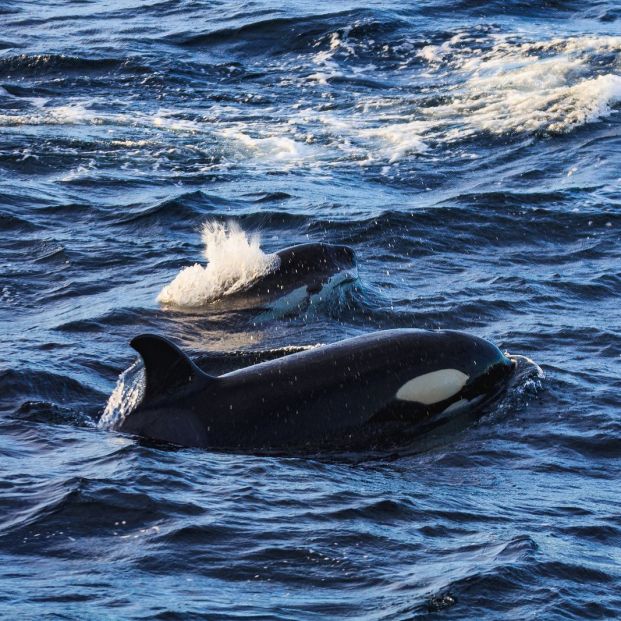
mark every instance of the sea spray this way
{"type": "Point", "coordinates": [125, 397]}
{"type": "Point", "coordinates": [234, 261]}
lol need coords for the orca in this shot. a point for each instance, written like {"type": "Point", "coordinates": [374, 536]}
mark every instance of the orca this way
{"type": "Point", "coordinates": [346, 395]}
{"type": "Point", "coordinates": [283, 281]}
{"type": "Point", "coordinates": [300, 273]}
{"type": "Point", "coordinates": [308, 265]}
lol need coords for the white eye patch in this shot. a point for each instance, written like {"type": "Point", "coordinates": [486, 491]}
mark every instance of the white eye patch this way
{"type": "Point", "coordinates": [433, 387]}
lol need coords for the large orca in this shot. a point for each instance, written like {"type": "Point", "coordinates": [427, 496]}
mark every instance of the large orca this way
{"type": "Point", "coordinates": [341, 395]}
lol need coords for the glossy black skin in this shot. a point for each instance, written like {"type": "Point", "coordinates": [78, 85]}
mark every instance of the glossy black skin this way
{"type": "Point", "coordinates": [334, 396]}
{"type": "Point", "coordinates": [309, 265]}
{"type": "Point", "coordinates": [305, 267]}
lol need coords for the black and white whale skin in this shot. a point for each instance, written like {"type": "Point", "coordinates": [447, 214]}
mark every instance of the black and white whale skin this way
{"type": "Point", "coordinates": [338, 396]}
{"type": "Point", "coordinates": [308, 265]}
{"type": "Point", "coordinates": [300, 273]}
{"type": "Point", "coordinates": [284, 282]}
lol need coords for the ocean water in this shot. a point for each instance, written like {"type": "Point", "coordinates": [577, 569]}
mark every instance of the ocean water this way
{"type": "Point", "coordinates": [152, 157]}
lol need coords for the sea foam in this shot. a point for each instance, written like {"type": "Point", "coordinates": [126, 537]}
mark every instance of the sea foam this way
{"type": "Point", "coordinates": [477, 83]}
{"type": "Point", "coordinates": [548, 86]}
{"type": "Point", "coordinates": [234, 261]}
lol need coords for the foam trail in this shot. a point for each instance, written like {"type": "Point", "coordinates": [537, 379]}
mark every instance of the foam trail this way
{"type": "Point", "coordinates": [485, 83]}
{"type": "Point", "coordinates": [234, 261]}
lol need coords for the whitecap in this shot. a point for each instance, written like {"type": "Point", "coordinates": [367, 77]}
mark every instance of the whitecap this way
{"type": "Point", "coordinates": [524, 87]}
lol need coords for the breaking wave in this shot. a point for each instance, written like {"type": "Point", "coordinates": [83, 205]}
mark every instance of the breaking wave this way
{"type": "Point", "coordinates": [513, 86]}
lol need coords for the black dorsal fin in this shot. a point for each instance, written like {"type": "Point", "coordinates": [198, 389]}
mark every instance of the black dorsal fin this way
{"type": "Point", "coordinates": [167, 368]}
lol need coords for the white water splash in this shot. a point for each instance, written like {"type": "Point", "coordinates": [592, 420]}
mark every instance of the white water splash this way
{"type": "Point", "coordinates": [234, 261]}
{"type": "Point", "coordinates": [497, 84]}
{"type": "Point", "coordinates": [125, 397]}
{"type": "Point", "coordinates": [530, 373]}
{"type": "Point", "coordinates": [541, 86]}
{"type": "Point", "coordinates": [277, 148]}
{"type": "Point", "coordinates": [527, 381]}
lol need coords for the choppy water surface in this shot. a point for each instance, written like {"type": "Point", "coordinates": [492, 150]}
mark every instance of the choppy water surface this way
{"type": "Point", "coordinates": [467, 150]}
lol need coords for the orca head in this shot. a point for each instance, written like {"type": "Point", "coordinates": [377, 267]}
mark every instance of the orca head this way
{"type": "Point", "coordinates": [170, 405]}
{"type": "Point", "coordinates": [316, 258]}
{"type": "Point", "coordinates": [484, 387]}
{"type": "Point", "coordinates": [466, 373]}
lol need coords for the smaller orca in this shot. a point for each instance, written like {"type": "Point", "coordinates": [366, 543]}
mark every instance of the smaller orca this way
{"type": "Point", "coordinates": [308, 264]}
{"type": "Point", "coordinates": [340, 396]}
{"type": "Point", "coordinates": [282, 280]}
{"type": "Point", "coordinates": [300, 272]}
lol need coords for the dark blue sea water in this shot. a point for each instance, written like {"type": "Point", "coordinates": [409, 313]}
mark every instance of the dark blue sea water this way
{"type": "Point", "coordinates": [468, 150]}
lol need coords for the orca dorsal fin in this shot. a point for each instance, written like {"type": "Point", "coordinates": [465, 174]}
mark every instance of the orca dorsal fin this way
{"type": "Point", "coordinates": [167, 368]}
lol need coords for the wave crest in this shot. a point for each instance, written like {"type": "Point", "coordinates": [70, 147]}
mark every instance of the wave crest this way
{"type": "Point", "coordinates": [526, 87]}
